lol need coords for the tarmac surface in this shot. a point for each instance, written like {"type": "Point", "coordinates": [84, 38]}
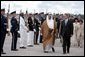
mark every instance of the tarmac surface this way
{"type": "Point", "coordinates": [37, 50]}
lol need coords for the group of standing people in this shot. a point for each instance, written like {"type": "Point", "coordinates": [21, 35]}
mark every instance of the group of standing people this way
{"type": "Point", "coordinates": [78, 33]}
{"type": "Point", "coordinates": [70, 31]}
{"type": "Point", "coordinates": [41, 27]}
{"type": "Point", "coordinates": [28, 32]}
{"type": "Point", "coordinates": [27, 29]}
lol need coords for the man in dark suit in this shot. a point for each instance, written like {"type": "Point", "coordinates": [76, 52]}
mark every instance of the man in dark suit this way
{"type": "Point", "coordinates": [42, 19]}
{"type": "Point", "coordinates": [3, 29]}
{"type": "Point", "coordinates": [66, 32]}
{"type": "Point", "coordinates": [14, 32]}
{"type": "Point", "coordinates": [36, 28]}
{"type": "Point", "coordinates": [42, 15]}
{"type": "Point", "coordinates": [30, 22]}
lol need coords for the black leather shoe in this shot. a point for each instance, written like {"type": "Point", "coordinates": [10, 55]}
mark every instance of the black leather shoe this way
{"type": "Point", "coordinates": [23, 47]}
{"type": "Point", "coordinates": [53, 49]}
{"type": "Point", "coordinates": [3, 53]}
{"type": "Point", "coordinates": [14, 50]}
{"type": "Point", "coordinates": [45, 51]}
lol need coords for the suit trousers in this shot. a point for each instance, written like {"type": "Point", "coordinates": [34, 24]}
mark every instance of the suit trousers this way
{"type": "Point", "coordinates": [14, 40]}
{"type": "Point", "coordinates": [36, 37]}
{"type": "Point", "coordinates": [3, 35]}
{"type": "Point", "coordinates": [66, 43]}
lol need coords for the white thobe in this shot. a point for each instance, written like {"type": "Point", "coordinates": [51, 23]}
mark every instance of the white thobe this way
{"type": "Point", "coordinates": [30, 38]}
{"type": "Point", "coordinates": [23, 33]}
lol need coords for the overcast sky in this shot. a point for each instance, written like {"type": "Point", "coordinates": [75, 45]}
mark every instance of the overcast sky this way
{"type": "Point", "coordinates": [74, 7]}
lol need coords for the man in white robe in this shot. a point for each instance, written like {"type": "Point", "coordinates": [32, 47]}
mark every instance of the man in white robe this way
{"type": "Point", "coordinates": [23, 32]}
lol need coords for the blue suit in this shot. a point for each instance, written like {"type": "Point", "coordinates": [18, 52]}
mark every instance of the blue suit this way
{"type": "Point", "coordinates": [3, 30]}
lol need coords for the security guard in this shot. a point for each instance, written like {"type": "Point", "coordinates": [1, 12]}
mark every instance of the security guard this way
{"type": "Point", "coordinates": [14, 30]}
{"type": "Point", "coordinates": [3, 29]}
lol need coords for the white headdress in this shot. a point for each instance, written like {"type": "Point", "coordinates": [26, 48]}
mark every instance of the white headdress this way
{"type": "Point", "coordinates": [50, 22]}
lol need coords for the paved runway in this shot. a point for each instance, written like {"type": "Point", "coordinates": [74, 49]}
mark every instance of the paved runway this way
{"type": "Point", "coordinates": [37, 50]}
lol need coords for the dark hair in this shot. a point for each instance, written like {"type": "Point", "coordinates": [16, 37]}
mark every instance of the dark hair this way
{"type": "Point", "coordinates": [2, 9]}
{"type": "Point", "coordinates": [67, 14]}
{"type": "Point", "coordinates": [76, 19]}
{"type": "Point", "coordinates": [22, 15]}
{"type": "Point", "coordinates": [81, 21]}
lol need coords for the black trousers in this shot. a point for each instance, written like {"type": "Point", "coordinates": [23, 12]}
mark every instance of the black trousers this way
{"type": "Point", "coordinates": [40, 38]}
{"type": "Point", "coordinates": [36, 37]}
{"type": "Point", "coordinates": [14, 40]}
{"type": "Point", "coordinates": [3, 35]}
{"type": "Point", "coordinates": [66, 43]}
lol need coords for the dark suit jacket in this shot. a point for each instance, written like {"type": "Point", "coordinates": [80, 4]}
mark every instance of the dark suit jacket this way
{"type": "Point", "coordinates": [58, 24]}
{"type": "Point", "coordinates": [3, 23]}
{"type": "Point", "coordinates": [66, 29]}
{"type": "Point", "coordinates": [30, 22]}
{"type": "Point", "coordinates": [14, 24]}
{"type": "Point", "coordinates": [36, 25]}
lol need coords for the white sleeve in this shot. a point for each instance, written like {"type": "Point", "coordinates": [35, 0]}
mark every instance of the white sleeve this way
{"type": "Point", "coordinates": [22, 23]}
